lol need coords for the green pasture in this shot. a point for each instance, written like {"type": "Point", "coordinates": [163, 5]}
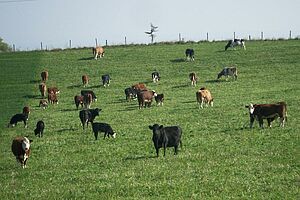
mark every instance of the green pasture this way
{"type": "Point", "coordinates": [221, 157]}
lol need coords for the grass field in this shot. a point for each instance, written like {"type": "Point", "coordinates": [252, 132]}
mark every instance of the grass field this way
{"type": "Point", "coordinates": [221, 157]}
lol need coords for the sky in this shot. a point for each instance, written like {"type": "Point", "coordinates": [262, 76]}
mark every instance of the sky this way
{"type": "Point", "coordinates": [27, 23]}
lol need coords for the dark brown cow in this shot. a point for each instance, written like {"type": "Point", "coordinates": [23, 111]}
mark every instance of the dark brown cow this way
{"type": "Point", "coordinates": [269, 112]}
{"type": "Point", "coordinates": [139, 87]}
{"type": "Point", "coordinates": [145, 98]}
{"type": "Point", "coordinates": [193, 78]}
{"type": "Point", "coordinates": [21, 149]}
{"type": "Point", "coordinates": [87, 100]}
{"type": "Point", "coordinates": [52, 98]}
{"type": "Point", "coordinates": [44, 76]}
{"type": "Point", "coordinates": [98, 52]}
{"type": "Point", "coordinates": [43, 89]}
{"type": "Point", "coordinates": [26, 110]}
{"type": "Point", "coordinates": [204, 96]}
{"type": "Point", "coordinates": [53, 90]}
{"type": "Point", "coordinates": [85, 80]}
{"type": "Point", "coordinates": [78, 99]}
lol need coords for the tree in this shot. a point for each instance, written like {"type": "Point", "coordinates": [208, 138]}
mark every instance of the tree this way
{"type": "Point", "coordinates": [3, 46]}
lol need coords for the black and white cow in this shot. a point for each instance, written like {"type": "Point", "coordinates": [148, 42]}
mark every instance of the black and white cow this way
{"type": "Point", "coordinates": [169, 136]}
{"type": "Point", "coordinates": [39, 130]}
{"type": "Point", "coordinates": [103, 127]}
{"type": "Point", "coordinates": [228, 71]}
{"type": "Point", "coordinates": [130, 93]}
{"type": "Point", "coordinates": [88, 115]}
{"type": "Point", "coordinates": [18, 118]}
{"type": "Point", "coordinates": [21, 149]}
{"type": "Point", "coordinates": [159, 99]}
{"type": "Point", "coordinates": [236, 42]}
{"type": "Point", "coordinates": [85, 92]}
{"type": "Point", "coordinates": [189, 54]}
{"type": "Point", "coordinates": [155, 77]}
{"type": "Point", "coordinates": [105, 80]}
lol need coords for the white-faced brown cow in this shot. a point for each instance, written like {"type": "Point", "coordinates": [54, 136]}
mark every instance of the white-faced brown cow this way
{"type": "Point", "coordinates": [204, 96]}
{"type": "Point", "coordinates": [53, 90]}
{"type": "Point", "coordinates": [145, 98]}
{"type": "Point", "coordinates": [228, 71]}
{"type": "Point", "coordinates": [98, 52]}
{"type": "Point", "coordinates": [43, 89]}
{"type": "Point", "coordinates": [193, 78]}
{"type": "Point", "coordinates": [85, 80]}
{"type": "Point", "coordinates": [44, 76]}
{"type": "Point", "coordinates": [21, 149]}
{"type": "Point", "coordinates": [269, 112]}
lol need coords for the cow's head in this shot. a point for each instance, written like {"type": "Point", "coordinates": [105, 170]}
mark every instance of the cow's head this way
{"type": "Point", "coordinates": [251, 108]}
{"type": "Point", "coordinates": [26, 147]}
{"type": "Point", "coordinates": [154, 93]}
{"type": "Point", "coordinates": [156, 129]}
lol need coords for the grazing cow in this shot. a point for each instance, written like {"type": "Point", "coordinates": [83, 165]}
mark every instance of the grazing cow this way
{"type": "Point", "coordinates": [87, 100]}
{"type": "Point", "coordinates": [189, 54]}
{"type": "Point", "coordinates": [169, 136]}
{"type": "Point", "coordinates": [139, 87]}
{"type": "Point", "coordinates": [103, 127]}
{"type": "Point", "coordinates": [44, 76]}
{"type": "Point", "coordinates": [159, 99]}
{"type": "Point", "coordinates": [105, 80]}
{"type": "Point", "coordinates": [269, 112]}
{"type": "Point", "coordinates": [88, 115]}
{"type": "Point", "coordinates": [145, 98]}
{"type": "Point", "coordinates": [78, 99]}
{"type": "Point", "coordinates": [236, 42]}
{"type": "Point", "coordinates": [43, 89]}
{"type": "Point", "coordinates": [39, 130]}
{"type": "Point", "coordinates": [193, 78]}
{"type": "Point", "coordinates": [43, 103]}
{"type": "Point", "coordinates": [204, 96]}
{"type": "Point", "coordinates": [228, 71]}
{"type": "Point", "coordinates": [21, 149]}
{"type": "Point", "coordinates": [26, 110]}
{"type": "Point", "coordinates": [18, 118]}
{"type": "Point", "coordinates": [52, 98]}
{"type": "Point", "coordinates": [155, 77]}
{"type": "Point", "coordinates": [85, 80]}
{"type": "Point", "coordinates": [130, 93]}
{"type": "Point", "coordinates": [98, 52]}
{"type": "Point", "coordinates": [53, 90]}
{"type": "Point", "coordinates": [85, 92]}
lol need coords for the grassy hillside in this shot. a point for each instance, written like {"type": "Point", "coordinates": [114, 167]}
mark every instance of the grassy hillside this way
{"type": "Point", "coordinates": [221, 157]}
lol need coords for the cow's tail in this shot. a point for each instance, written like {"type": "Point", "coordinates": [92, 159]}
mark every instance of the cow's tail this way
{"type": "Point", "coordinates": [285, 109]}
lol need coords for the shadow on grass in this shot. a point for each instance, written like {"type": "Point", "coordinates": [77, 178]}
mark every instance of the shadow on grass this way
{"type": "Point", "coordinates": [180, 86]}
{"type": "Point", "coordinates": [74, 86]}
{"type": "Point", "coordinates": [89, 58]}
{"type": "Point", "coordinates": [189, 101]}
{"type": "Point", "coordinates": [178, 60]}
{"type": "Point", "coordinates": [95, 86]}
{"type": "Point", "coordinates": [215, 81]}
{"type": "Point", "coordinates": [66, 129]}
{"type": "Point", "coordinates": [30, 96]}
{"type": "Point", "coordinates": [139, 157]}
{"type": "Point", "coordinates": [35, 81]}
{"type": "Point", "coordinates": [70, 109]}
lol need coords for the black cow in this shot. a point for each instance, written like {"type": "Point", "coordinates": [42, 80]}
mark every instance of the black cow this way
{"type": "Point", "coordinates": [105, 80]}
{"type": "Point", "coordinates": [159, 99]}
{"type": "Point", "coordinates": [169, 136]}
{"type": "Point", "coordinates": [155, 77]}
{"type": "Point", "coordinates": [40, 125]}
{"type": "Point", "coordinates": [189, 54]}
{"type": "Point", "coordinates": [85, 92]}
{"type": "Point", "coordinates": [88, 115]}
{"type": "Point", "coordinates": [18, 118]}
{"type": "Point", "coordinates": [103, 127]}
{"type": "Point", "coordinates": [130, 93]}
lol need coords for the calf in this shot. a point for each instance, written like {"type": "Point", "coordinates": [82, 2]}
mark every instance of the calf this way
{"type": "Point", "coordinates": [78, 99]}
{"type": "Point", "coordinates": [105, 80]}
{"type": "Point", "coordinates": [52, 98]}
{"type": "Point", "coordinates": [53, 90]}
{"type": "Point", "coordinates": [85, 92]}
{"type": "Point", "coordinates": [85, 80]}
{"type": "Point", "coordinates": [130, 93]}
{"type": "Point", "coordinates": [189, 54]}
{"type": "Point", "coordinates": [21, 149]}
{"type": "Point", "coordinates": [193, 78]}
{"type": "Point", "coordinates": [269, 112]}
{"type": "Point", "coordinates": [18, 118]}
{"type": "Point", "coordinates": [39, 130]}
{"type": "Point", "coordinates": [98, 52]}
{"type": "Point", "coordinates": [155, 77]}
{"type": "Point", "coordinates": [43, 103]}
{"type": "Point", "coordinates": [43, 89]}
{"type": "Point", "coordinates": [169, 136]}
{"type": "Point", "coordinates": [87, 100]}
{"type": "Point", "coordinates": [103, 127]}
{"type": "Point", "coordinates": [228, 71]}
{"type": "Point", "coordinates": [159, 99]}
{"type": "Point", "coordinates": [204, 96]}
{"type": "Point", "coordinates": [145, 98]}
{"type": "Point", "coordinates": [44, 76]}
{"type": "Point", "coordinates": [139, 87]}
{"type": "Point", "coordinates": [88, 115]}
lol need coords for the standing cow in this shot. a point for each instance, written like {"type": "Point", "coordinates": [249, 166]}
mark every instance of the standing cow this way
{"type": "Point", "coordinates": [43, 89]}
{"type": "Point", "coordinates": [169, 136]}
{"type": "Point", "coordinates": [204, 96]}
{"type": "Point", "coordinates": [21, 149]}
{"type": "Point", "coordinates": [130, 93]}
{"type": "Point", "coordinates": [18, 118]}
{"type": "Point", "coordinates": [39, 130]}
{"type": "Point", "coordinates": [145, 98]}
{"type": "Point", "coordinates": [228, 71]}
{"type": "Point", "coordinates": [85, 80]}
{"type": "Point", "coordinates": [105, 80]}
{"type": "Point", "coordinates": [85, 92]}
{"type": "Point", "coordinates": [236, 42]}
{"type": "Point", "coordinates": [193, 78]}
{"type": "Point", "coordinates": [88, 115]}
{"type": "Point", "coordinates": [189, 54]}
{"type": "Point", "coordinates": [103, 127]}
{"type": "Point", "coordinates": [155, 77]}
{"type": "Point", "coordinates": [269, 112]}
{"type": "Point", "coordinates": [159, 99]}
{"type": "Point", "coordinates": [78, 99]}
{"type": "Point", "coordinates": [44, 76]}
{"type": "Point", "coordinates": [98, 52]}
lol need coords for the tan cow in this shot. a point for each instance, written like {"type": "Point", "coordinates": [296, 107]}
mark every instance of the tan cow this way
{"type": "Point", "coordinates": [204, 96]}
{"type": "Point", "coordinates": [43, 89]}
{"type": "Point", "coordinates": [85, 80]}
{"type": "Point", "coordinates": [193, 78]}
{"type": "Point", "coordinates": [98, 52]}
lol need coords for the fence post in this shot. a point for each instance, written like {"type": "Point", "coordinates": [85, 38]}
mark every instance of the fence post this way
{"type": "Point", "coordinates": [96, 40]}
{"type": "Point", "coordinates": [105, 42]}
{"type": "Point", "coordinates": [262, 35]}
{"type": "Point", "coordinates": [70, 44]}
{"type": "Point", "coordinates": [41, 46]}
{"type": "Point", "coordinates": [207, 36]}
{"type": "Point", "coordinates": [290, 35]}
{"type": "Point", "coordinates": [179, 37]}
{"type": "Point", "coordinates": [233, 35]}
{"type": "Point", "coordinates": [125, 40]}
{"type": "Point", "coordinates": [249, 37]}
{"type": "Point", "coordinates": [14, 47]}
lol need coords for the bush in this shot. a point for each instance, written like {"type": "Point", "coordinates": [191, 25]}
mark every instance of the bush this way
{"type": "Point", "coordinates": [4, 47]}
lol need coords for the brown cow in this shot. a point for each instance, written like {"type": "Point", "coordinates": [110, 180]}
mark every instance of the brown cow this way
{"type": "Point", "coordinates": [43, 103]}
{"type": "Point", "coordinates": [98, 52]}
{"type": "Point", "coordinates": [21, 149]}
{"type": "Point", "coordinates": [193, 78]}
{"type": "Point", "coordinates": [269, 112]}
{"type": "Point", "coordinates": [204, 96]}
{"type": "Point", "coordinates": [78, 99]}
{"type": "Point", "coordinates": [145, 98]}
{"type": "Point", "coordinates": [85, 80]}
{"type": "Point", "coordinates": [26, 110]}
{"type": "Point", "coordinates": [139, 87]}
{"type": "Point", "coordinates": [53, 90]}
{"type": "Point", "coordinates": [44, 76]}
{"type": "Point", "coordinates": [52, 98]}
{"type": "Point", "coordinates": [43, 89]}
{"type": "Point", "coordinates": [87, 100]}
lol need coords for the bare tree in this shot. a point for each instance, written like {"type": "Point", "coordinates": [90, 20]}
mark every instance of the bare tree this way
{"type": "Point", "coordinates": [151, 32]}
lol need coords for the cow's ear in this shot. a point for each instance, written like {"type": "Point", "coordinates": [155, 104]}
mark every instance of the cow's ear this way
{"type": "Point", "coordinates": [30, 141]}
{"type": "Point", "coordinates": [246, 106]}
{"type": "Point", "coordinates": [151, 127]}
{"type": "Point", "coordinates": [161, 126]}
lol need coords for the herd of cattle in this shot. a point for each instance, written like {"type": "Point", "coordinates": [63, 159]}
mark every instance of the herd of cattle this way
{"type": "Point", "coordinates": [163, 137]}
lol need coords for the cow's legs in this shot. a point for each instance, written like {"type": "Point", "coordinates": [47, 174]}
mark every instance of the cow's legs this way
{"type": "Point", "coordinates": [269, 122]}
{"type": "Point", "coordinates": [261, 122]}
{"type": "Point", "coordinates": [282, 120]}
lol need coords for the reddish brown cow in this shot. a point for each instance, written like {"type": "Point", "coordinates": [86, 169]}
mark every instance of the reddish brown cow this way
{"type": "Point", "coordinates": [78, 99]}
{"type": "Point", "coordinates": [21, 149]}
{"type": "Point", "coordinates": [44, 76]}
{"type": "Point", "coordinates": [139, 87]}
{"type": "Point", "coordinates": [145, 98]}
{"type": "Point", "coordinates": [87, 100]}
{"type": "Point", "coordinates": [26, 110]}
{"type": "Point", "coordinates": [52, 98]}
{"type": "Point", "coordinates": [43, 89]}
{"type": "Point", "coordinates": [204, 96]}
{"type": "Point", "coordinates": [85, 80]}
{"type": "Point", "coordinates": [53, 90]}
{"type": "Point", "coordinates": [98, 52]}
{"type": "Point", "coordinates": [193, 78]}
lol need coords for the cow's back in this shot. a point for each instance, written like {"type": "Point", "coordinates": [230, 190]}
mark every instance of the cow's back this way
{"type": "Point", "coordinates": [173, 135]}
